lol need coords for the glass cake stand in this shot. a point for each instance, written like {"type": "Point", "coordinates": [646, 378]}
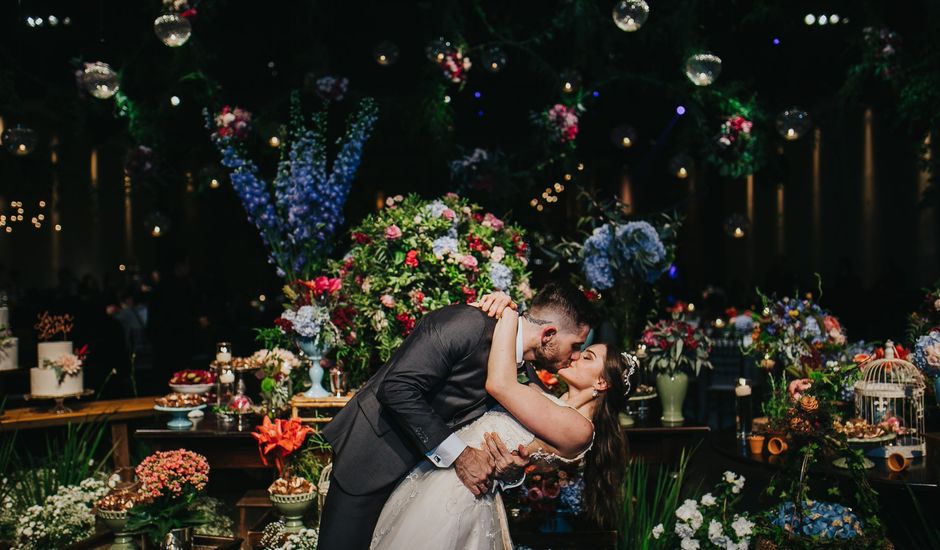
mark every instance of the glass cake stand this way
{"type": "Point", "coordinates": [59, 406]}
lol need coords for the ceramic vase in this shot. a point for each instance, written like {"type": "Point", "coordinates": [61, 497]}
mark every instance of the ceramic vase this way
{"type": "Point", "coordinates": [672, 389]}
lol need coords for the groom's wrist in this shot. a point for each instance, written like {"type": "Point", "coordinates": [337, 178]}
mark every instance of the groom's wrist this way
{"type": "Point", "coordinates": [444, 455]}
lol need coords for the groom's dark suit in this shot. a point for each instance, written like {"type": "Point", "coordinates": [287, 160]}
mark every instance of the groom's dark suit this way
{"type": "Point", "coordinates": [432, 385]}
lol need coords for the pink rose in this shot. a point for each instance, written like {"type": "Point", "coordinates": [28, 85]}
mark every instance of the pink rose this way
{"type": "Point", "coordinates": [831, 323]}
{"type": "Point", "coordinates": [388, 301]}
{"type": "Point", "coordinates": [490, 220]}
{"type": "Point", "coordinates": [797, 387]}
{"type": "Point", "coordinates": [469, 262]}
{"type": "Point", "coordinates": [498, 254]}
{"type": "Point", "coordinates": [448, 214]}
{"type": "Point", "coordinates": [392, 232]}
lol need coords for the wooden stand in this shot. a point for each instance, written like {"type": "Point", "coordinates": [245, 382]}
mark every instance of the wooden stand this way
{"type": "Point", "coordinates": [317, 405]}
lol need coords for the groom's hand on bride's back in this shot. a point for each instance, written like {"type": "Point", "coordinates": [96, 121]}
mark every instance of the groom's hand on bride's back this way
{"type": "Point", "coordinates": [474, 468]}
{"type": "Point", "coordinates": [495, 303]}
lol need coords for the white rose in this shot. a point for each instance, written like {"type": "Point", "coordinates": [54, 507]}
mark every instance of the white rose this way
{"type": "Point", "coordinates": [658, 531]}
{"type": "Point", "coordinates": [683, 530]}
{"type": "Point", "coordinates": [729, 477]}
{"type": "Point", "coordinates": [689, 544]}
{"type": "Point", "coordinates": [742, 526]}
{"type": "Point", "coordinates": [498, 254]}
{"type": "Point", "coordinates": [708, 500]}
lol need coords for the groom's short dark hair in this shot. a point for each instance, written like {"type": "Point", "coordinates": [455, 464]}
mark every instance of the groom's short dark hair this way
{"type": "Point", "coordinates": [566, 299]}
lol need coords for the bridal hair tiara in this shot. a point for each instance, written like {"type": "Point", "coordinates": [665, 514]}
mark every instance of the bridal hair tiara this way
{"type": "Point", "coordinates": [632, 364]}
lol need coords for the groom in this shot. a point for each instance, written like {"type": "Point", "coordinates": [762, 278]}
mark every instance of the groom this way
{"type": "Point", "coordinates": [411, 408]}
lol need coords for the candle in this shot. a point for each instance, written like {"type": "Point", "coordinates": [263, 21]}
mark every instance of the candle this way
{"type": "Point", "coordinates": [223, 352]}
{"type": "Point", "coordinates": [227, 377]}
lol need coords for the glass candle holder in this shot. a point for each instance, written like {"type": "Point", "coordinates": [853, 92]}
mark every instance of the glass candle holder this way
{"type": "Point", "coordinates": [742, 408]}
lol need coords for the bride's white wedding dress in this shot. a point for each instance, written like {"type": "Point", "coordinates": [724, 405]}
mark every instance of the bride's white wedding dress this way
{"type": "Point", "coordinates": [431, 507]}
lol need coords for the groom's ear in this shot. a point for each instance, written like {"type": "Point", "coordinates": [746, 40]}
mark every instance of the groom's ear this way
{"type": "Point", "coordinates": [548, 332]}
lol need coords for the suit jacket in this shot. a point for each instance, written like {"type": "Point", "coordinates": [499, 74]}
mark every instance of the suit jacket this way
{"type": "Point", "coordinates": [432, 385]}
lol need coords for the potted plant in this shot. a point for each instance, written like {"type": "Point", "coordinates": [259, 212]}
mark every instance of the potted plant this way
{"type": "Point", "coordinates": [170, 481]}
{"type": "Point", "coordinates": [291, 494]}
{"type": "Point", "coordinates": [674, 346]}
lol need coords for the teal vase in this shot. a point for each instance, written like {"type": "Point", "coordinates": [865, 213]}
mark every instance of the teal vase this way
{"type": "Point", "coordinates": [311, 349]}
{"type": "Point", "coordinates": [672, 389]}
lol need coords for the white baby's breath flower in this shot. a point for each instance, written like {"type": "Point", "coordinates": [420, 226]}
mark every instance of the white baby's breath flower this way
{"type": "Point", "coordinates": [658, 531]}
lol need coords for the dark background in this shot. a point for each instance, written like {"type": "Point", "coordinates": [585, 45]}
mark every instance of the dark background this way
{"type": "Point", "coordinates": [202, 280]}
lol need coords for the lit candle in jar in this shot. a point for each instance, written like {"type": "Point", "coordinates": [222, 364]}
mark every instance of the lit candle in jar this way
{"type": "Point", "coordinates": [223, 352]}
{"type": "Point", "coordinates": [227, 377]}
{"type": "Point", "coordinates": [641, 351]}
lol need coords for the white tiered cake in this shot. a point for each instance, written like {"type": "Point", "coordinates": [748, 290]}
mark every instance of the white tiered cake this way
{"type": "Point", "coordinates": [43, 380]}
{"type": "Point", "coordinates": [9, 346]}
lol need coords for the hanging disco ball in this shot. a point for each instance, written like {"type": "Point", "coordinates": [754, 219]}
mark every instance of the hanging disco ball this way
{"type": "Point", "coordinates": [20, 141]}
{"type": "Point", "coordinates": [438, 49]}
{"type": "Point", "coordinates": [681, 166]}
{"type": "Point", "coordinates": [157, 224]}
{"type": "Point", "coordinates": [494, 59]}
{"type": "Point", "coordinates": [703, 68]}
{"type": "Point", "coordinates": [623, 136]}
{"type": "Point", "coordinates": [172, 29]}
{"type": "Point", "coordinates": [100, 80]}
{"type": "Point", "coordinates": [737, 226]}
{"type": "Point", "coordinates": [629, 15]}
{"type": "Point", "coordinates": [385, 53]}
{"type": "Point", "coordinates": [793, 123]}
{"type": "Point", "coordinates": [570, 81]}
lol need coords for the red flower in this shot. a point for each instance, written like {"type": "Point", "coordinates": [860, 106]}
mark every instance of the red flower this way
{"type": "Point", "coordinates": [323, 285]}
{"type": "Point", "coordinates": [279, 439]}
{"type": "Point", "coordinates": [342, 317]}
{"type": "Point", "coordinates": [361, 238]}
{"type": "Point", "coordinates": [731, 312]}
{"type": "Point", "coordinates": [475, 243]}
{"type": "Point", "coordinates": [477, 217]}
{"type": "Point", "coordinates": [411, 259]}
{"type": "Point", "coordinates": [284, 324]}
{"type": "Point", "coordinates": [469, 294]}
{"type": "Point", "coordinates": [547, 378]}
{"type": "Point", "coordinates": [591, 295]}
{"type": "Point", "coordinates": [407, 322]}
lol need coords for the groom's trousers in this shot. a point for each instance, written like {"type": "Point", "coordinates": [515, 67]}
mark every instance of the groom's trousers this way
{"type": "Point", "coordinates": [347, 521]}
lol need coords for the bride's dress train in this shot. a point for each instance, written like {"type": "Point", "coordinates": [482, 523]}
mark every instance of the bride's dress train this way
{"type": "Point", "coordinates": [431, 507]}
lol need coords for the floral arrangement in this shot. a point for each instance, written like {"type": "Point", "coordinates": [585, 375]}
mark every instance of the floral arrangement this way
{"type": "Point", "coordinates": [64, 518]}
{"type": "Point", "coordinates": [415, 256]}
{"type": "Point", "coordinates": [68, 364]}
{"type": "Point", "coordinates": [927, 318]}
{"type": "Point", "coordinates": [331, 88]}
{"type": "Point", "coordinates": [822, 521]}
{"type": "Point", "coordinates": [299, 212]}
{"type": "Point", "coordinates": [881, 48]}
{"type": "Point", "coordinates": [171, 480]}
{"type": "Point", "coordinates": [49, 326]}
{"type": "Point", "coordinates": [797, 332]}
{"type": "Point", "coordinates": [307, 313]}
{"type": "Point", "coordinates": [274, 537]}
{"type": "Point", "coordinates": [710, 522]}
{"type": "Point", "coordinates": [454, 65]}
{"type": "Point", "coordinates": [179, 7]}
{"type": "Point", "coordinates": [279, 440]}
{"type": "Point", "coordinates": [274, 369]}
{"type": "Point", "coordinates": [926, 356]}
{"type": "Point", "coordinates": [674, 343]}
{"type": "Point", "coordinates": [562, 122]}
{"type": "Point", "coordinates": [735, 150]}
{"type": "Point", "coordinates": [549, 489]}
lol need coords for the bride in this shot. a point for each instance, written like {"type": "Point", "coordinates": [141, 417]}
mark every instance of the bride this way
{"type": "Point", "coordinates": [431, 508]}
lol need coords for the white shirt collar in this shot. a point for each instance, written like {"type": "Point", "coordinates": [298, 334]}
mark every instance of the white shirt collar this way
{"type": "Point", "coordinates": [519, 350]}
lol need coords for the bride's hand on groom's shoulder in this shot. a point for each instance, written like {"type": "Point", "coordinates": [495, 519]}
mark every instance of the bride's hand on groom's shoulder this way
{"type": "Point", "coordinates": [495, 304]}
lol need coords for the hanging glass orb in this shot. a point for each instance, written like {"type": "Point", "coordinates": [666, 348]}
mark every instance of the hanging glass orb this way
{"type": "Point", "coordinates": [385, 53]}
{"type": "Point", "coordinates": [629, 15]}
{"type": "Point", "coordinates": [157, 224]}
{"type": "Point", "coordinates": [20, 141]}
{"type": "Point", "coordinates": [172, 29]}
{"type": "Point", "coordinates": [793, 123]}
{"type": "Point", "coordinates": [439, 49]}
{"type": "Point", "coordinates": [570, 81]}
{"type": "Point", "coordinates": [623, 136]}
{"type": "Point", "coordinates": [737, 226]}
{"type": "Point", "coordinates": [703, 68]}
{"type": "Point", "coordinates": [494, 59]}
{"type": "Point", "coordinates": [681, 166]}
{"type": "Point", "coordinates": [100, 80]}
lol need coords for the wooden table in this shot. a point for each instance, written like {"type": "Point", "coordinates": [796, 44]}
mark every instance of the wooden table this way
{"type": "Point", "coordinates": [222, 443]}
{"type": "Point", "coordinates": [117, 412]}
{"type": "Point", "coordinates": [659, 443]}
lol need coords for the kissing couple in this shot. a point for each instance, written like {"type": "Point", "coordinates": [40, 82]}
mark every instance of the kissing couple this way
{"type": "Point", "coordinates": [421, 450]}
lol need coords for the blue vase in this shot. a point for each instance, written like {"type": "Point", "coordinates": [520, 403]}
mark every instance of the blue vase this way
{"type": "Point", "coordinates": [313, 352]}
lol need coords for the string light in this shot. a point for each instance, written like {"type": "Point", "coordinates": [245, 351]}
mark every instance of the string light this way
{"type": "Point", "coordinates": [122, 267]}
{"type": "Point", "coordinates": [58, 227]}
{"type": "Point", "coordinates": [175, 101]}
{"type": "Point", "coordinates": [214, 184]}
{"type": "Point", "coordinates": [274, 141]}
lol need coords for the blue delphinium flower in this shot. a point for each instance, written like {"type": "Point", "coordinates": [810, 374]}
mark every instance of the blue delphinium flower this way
{"type": "Point", "coordinates": [500, 275]}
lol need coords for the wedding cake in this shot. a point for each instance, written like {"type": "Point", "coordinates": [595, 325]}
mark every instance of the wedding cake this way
{"type": "Point", "coordinates": [44, 380]}
{"type": "Point", "coordinates": [9, 346]}
{"type": "Point", "coordinates": [60, 369]}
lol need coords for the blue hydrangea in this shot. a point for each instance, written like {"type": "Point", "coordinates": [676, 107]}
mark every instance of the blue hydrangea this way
{"type": "Point", "coordinates": [926, 348]}
{"type": "Point", "coordinates": [599, 241]}
{"type": "Point", "coordinates": [572, 494]}
{"type": "Point", "coordinates": [824, 520]}
{"type": "Point", "coordinates": [444, 245]}
{"type": "Point", "coordinates": [500, 275]}
{"type": "Point", "coordinates": [306, 320]}
{"type": "Point", "coordinates": [598, 271]}
{"type": "Point", "coordinates": [743, 323]}
{"type": "Point", "coordinates": [435, 209]}
{"type": "Point", "coordinates": [640, 247]}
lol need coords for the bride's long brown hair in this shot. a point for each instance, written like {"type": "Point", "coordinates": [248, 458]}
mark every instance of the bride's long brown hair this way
{"type": "Point", "coordinates": [605, 463]}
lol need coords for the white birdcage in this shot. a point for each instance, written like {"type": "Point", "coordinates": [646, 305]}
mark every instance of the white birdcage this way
{"type": "Point", "coordinates": [891, 392]}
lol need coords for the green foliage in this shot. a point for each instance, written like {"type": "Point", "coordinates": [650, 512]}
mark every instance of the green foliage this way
{"type": "Point", "coordinates": [648, 500]}
{"type": "Point", "coordinates": [159, 517]}
{"type": "Point", "coordinates": [272, 337]}
{"type": "Point", "coordinates": [309, 462]}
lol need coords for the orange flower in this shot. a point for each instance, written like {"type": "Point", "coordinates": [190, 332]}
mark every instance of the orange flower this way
{"type": "Point", "coordinates": [279, 439]}
{"type": "Point", "coordinates": [547, 378]}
